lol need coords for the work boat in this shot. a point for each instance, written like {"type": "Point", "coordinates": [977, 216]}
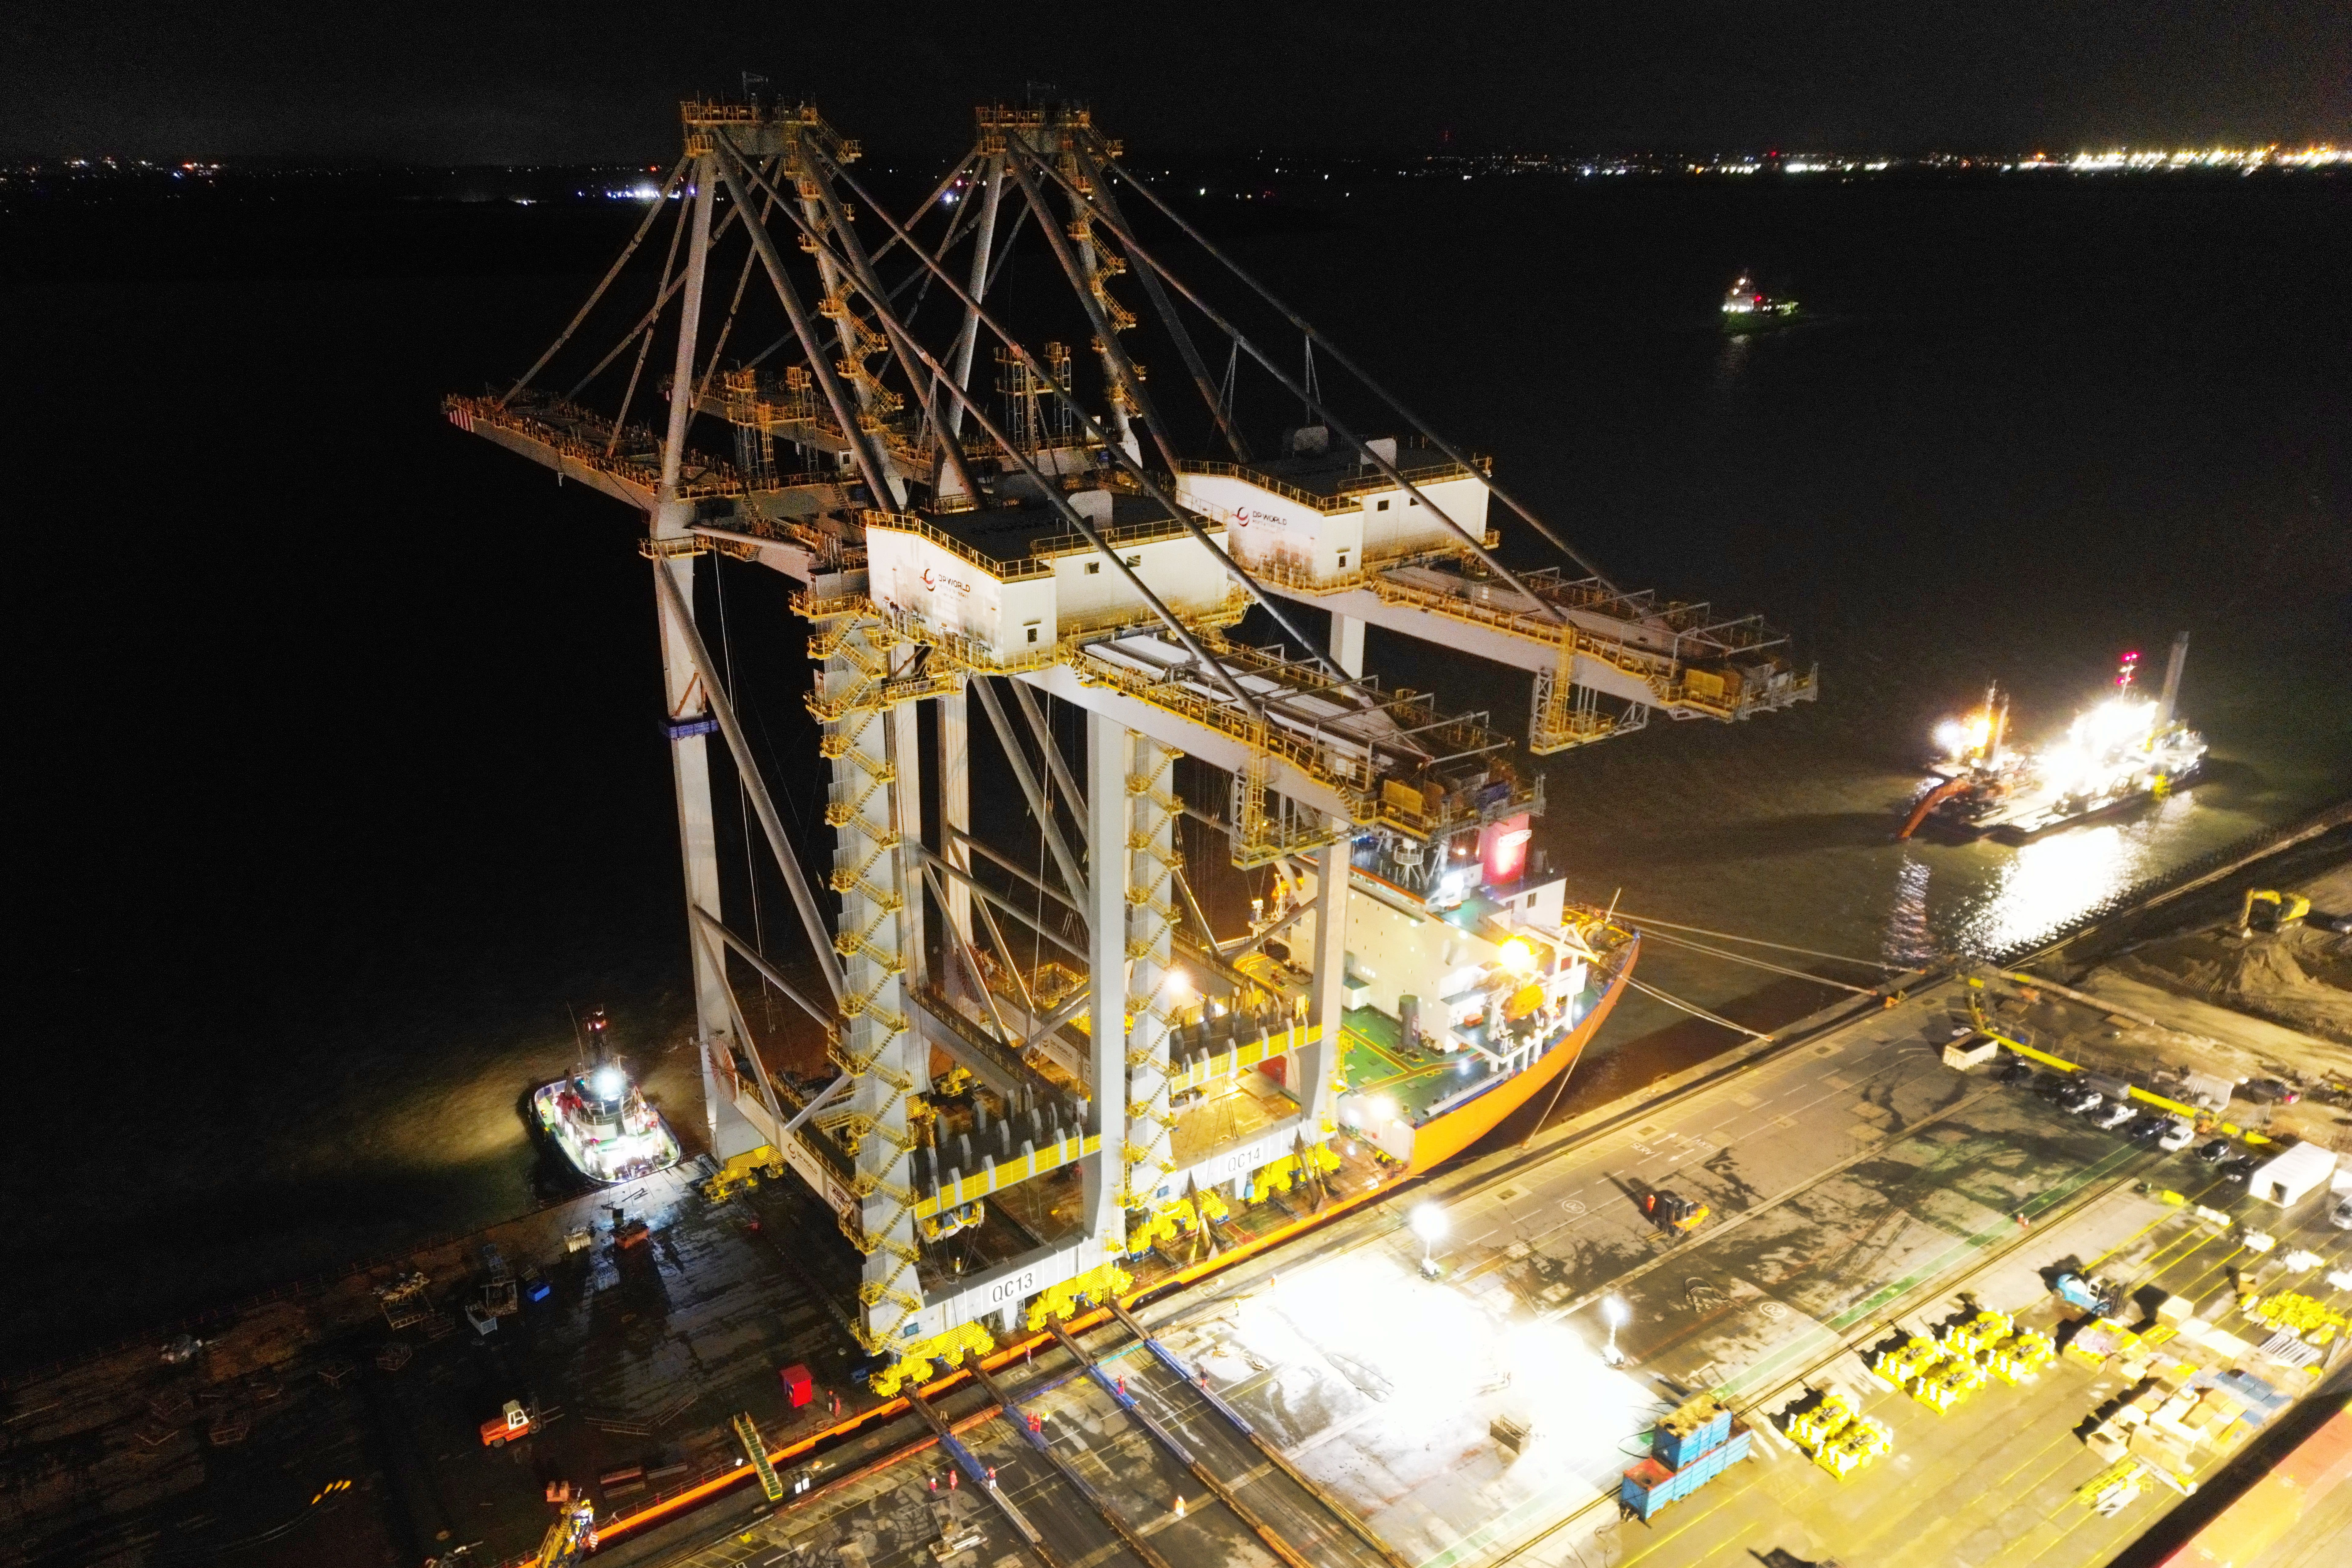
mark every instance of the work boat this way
{"type": "Point", "coordinates": [2123, 750]}
{"type": "Point", "coordinates": [1747, 309]}
{"type": "Point", "coordinates": [600, 1119]}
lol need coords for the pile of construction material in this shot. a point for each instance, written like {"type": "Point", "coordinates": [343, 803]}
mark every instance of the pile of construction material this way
{"type": "Point", "coordinates": [2175, 1416]}
{"type": "Point", "coordinates": [1688, 1447]}
{"type": "Point", "coordinates": [1837, 1436]}
{"type": "Point", "coordinates": [2289, 1311]}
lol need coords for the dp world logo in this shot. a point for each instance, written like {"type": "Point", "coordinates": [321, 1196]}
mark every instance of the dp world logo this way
{"type": "Point", "coordinates": [937, 581]}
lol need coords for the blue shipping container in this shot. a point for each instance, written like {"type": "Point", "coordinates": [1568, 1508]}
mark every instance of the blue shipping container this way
{"type": "Point", "coordinates": [1686, 1434]}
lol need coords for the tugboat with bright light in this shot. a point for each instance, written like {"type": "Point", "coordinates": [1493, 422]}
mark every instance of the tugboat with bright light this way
{"type": "Point", "coordinates": [599, 1119]}
{"type": "Point", "coordinates": [1747, 309]}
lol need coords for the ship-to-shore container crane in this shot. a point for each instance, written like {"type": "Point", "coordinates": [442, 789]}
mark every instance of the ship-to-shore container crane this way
{"type": "Point", "coordinates": [956, 543]}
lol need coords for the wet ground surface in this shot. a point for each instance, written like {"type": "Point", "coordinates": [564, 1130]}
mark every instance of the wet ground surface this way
{"type": "Point", "coordinates": [1859, 1190]}
{"type": "Point", "coordinates": [1855, 1185]}
{"type": "Point", "coordinates": [634, 1363]}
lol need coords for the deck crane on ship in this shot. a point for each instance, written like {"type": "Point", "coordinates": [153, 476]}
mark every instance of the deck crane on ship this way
{"type": "Point", "coordinates": [1055, 538]}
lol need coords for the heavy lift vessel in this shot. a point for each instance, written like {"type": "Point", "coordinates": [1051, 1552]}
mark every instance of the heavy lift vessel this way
{"type": "Point", "coordinates": [1056, 541]}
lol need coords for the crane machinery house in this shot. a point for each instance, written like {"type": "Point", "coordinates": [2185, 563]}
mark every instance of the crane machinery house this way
{"type": "Point", "coordinates": [1006, 586]}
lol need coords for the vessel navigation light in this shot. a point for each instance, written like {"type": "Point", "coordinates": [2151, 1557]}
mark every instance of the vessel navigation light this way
{"type": "Point", "coordinates": [608, 1083]}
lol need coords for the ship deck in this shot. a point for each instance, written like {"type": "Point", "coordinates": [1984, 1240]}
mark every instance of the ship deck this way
{"type": "Point", "coordinates": [1380, 1062]}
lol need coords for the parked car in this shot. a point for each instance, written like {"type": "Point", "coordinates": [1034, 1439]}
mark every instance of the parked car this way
{"type": "Point", "coordinates": [2019, 1070]}
{"type": "Point", "coordinates": [2178, 1133]}
{"type": "Point", "coordinates": [2147, 1128]}
{"type": "Point", "coordinates": [2053, 1086]}
{"type": "Point", "coordinates": [2239, 1169]}
{"type": "Point", "coordinates": [2082, 1101]}
{"type": "Point", "coordinates": [2270, 1091]}
{"type": "Point", "coordinates": [2341, 1218]}
{"type": "Point", "coordinates": [2216, 1152]}
{"type": "Point", "coordinates": [2114, 1115]}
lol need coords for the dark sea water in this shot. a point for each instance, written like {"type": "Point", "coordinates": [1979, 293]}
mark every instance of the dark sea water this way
{"type": "Point", "coordinates": [335, 777]}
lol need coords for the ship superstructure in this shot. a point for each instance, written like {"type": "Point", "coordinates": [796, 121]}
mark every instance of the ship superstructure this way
{"type": "Point", "coordinates": [1000, 546]}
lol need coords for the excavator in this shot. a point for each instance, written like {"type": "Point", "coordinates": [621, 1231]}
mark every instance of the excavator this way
{"type": "Point", "coordinates": [1949, 789]}
{"type": "Point", "coordinates": [2280, 911]}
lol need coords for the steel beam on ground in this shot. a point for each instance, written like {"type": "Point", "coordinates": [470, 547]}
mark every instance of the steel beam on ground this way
{"type": "Point", "coordinates": [1067, 1471]}
{"type": "Point", "coordinates": [1337, 1509]}
{"type": "Point", "coordinates": [1183, 1455]}
{"type": "Point", "coordinates": [968, 1463]}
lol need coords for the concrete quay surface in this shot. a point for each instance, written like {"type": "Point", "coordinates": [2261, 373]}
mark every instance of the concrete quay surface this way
{"type": "Point", "coordinates": [1859, 1187]}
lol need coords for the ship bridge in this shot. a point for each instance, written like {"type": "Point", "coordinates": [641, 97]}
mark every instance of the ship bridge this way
{"type": "Point", "coordinates": [984, 524]}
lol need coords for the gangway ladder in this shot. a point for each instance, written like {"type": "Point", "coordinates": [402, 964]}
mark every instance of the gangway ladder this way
{"type": "Point", "coordinates": [747, 1432]}
{"type": "Point", "coordinates": [1339, 1510]}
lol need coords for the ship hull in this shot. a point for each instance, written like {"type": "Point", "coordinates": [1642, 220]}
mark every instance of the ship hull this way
{"type": "Point", "coordinates": [1439, 1139]}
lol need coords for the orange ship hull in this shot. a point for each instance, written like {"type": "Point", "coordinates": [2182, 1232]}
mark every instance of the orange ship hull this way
{"type": "Point", "coordinates": [1438, 1141]}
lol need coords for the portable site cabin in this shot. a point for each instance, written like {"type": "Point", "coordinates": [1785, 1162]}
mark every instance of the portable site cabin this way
{"type": "Point", "coordinates": [2285, 1178]}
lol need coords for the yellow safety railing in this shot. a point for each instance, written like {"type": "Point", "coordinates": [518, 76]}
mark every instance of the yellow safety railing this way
{"type": "Point", "coordinates": [1348, 494]}
{"type": "Point", "coordinates": [1022, 570]}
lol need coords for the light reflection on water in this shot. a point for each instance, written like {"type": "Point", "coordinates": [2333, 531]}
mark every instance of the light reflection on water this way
{"type": "Point", "coordinates": [2055, 879]}
{"type": "Point", "coordinates": [1908, 940]}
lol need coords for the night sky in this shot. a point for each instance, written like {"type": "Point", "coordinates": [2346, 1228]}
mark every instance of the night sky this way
{"type": "Point", "coordinates": [421, 79]}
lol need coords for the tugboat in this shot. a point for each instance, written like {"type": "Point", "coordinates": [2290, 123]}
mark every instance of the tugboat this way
{"type": "Point", "coordinates": [600, 1119]}
{"type": "Point", "coordinates": [2125, 748]}
{"type": "Point", "coordinates": [1747, 309]}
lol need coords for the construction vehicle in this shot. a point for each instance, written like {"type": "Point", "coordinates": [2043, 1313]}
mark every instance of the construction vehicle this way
{"type": "Point", "coordinates": [2093, 1296]}
{"type": "Point", "coordinates": [1674, 1215]}
{"type": "Point", "coordinates": [511, 1424]}
{"type": "Point", "coordinates": [571, 1537]}
{"type": "Point", "coordinates": [2279, 910]}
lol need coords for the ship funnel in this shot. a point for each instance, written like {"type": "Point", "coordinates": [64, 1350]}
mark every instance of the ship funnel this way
{"type": "Point", "coordinates": [2173, 680]}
